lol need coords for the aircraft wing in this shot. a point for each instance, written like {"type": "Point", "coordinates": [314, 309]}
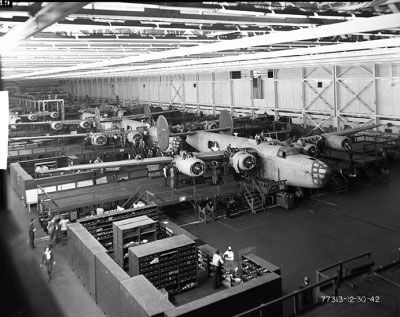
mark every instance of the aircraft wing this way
{"type": "Point", "coordinates": [146, 161]}
{"type": "Point", "coordinates": [47, 122]}
{"type": "Point", "coordinates": [45, 137]}
{"type": "Point", "coordinates": [342, 133]}
{"type": "Point", "coordinates": [219, 155]}
{"type": "Point", "coordinates": [211, 155]}
{"type": "Point", "coordinates": [354, 130]}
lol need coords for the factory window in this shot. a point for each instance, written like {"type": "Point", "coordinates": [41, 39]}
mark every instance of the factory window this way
{"type": "Point", "coordinates": [258, 88]}
{"type": "Point", "coordinates": [320, 84]}
{"type": "Point", "coordinates": [270, 73]}
{"type": "Point", "coordinates": [236, 74]}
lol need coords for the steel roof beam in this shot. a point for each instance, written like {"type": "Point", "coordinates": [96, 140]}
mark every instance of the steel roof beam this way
{"type": "Point", "coordinates": [364, 25]}
{"type": "Point", "coordinates": [256, 56]}
{"type": "Point", "coordinates": [51, 13]}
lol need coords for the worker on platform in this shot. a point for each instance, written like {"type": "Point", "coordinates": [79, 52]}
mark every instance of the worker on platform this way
{"type": "Point", "coordinates": [228, 254]}
{"type": "Point", "coordinates": [258, 138]}
{"type": "Point", "coordinates": [38, 169]}
{"type": "Point", "coordinates": [166, 174]}
{"type": "Point", "coordinates": [215, 172]}
{"type": "Point", "coordinates": [48, 261]}
{"type": "Point", "coordinates": [172, 177]}
{"type": "Point", "coordinates": [216, 267]}
{"type": "Point", "coordinates": [32, 230]}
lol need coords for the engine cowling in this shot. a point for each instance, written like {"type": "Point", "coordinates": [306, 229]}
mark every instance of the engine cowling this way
{"type": "Point", "coordinates": [338, 142]}
{"type": "Point", "coordinates": [57, 126]}
{"type": "Point", "coordinates": [242, 161]}
{"type": "Point", "coordinates": [310, 149]}
{"type": "Point", "coordinates": [15, 120]}
{"type": "Point", "coordinates": [54, 115]}
{"type": "Point", "coordinates": [190, 166]}
{"type": "Point", "coordinates": [32, 117]}
{"type": "Point", "coordinates": [99, 139]}
{"type": "Point", "coordinates": [133, 135]}
{"type": "Point", "coordinates": [85, 124]}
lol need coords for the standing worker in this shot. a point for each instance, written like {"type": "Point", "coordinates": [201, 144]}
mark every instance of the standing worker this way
{"type": "Point", "coordinates": [172, 177]}
{"type": "Point", "coordinates": [228, 254]}
{"type": "Point", "coordinates": [215, 173]}
{"type": "Point", "coordinates": [216, 265]}
{"type": "Point", "coordinates": [165, 173]}
{"type": "Point", "coordinates": [63, 224]}
{"type": "Point", "coordinates": [52, 228]}
{"type": "Point", "coordinates": [32, 230]}
{"type": "Point", "coordinates": [48, 260]}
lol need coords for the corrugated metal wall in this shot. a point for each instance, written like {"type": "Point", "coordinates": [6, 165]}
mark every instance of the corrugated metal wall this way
{"type": "Point", "coordinates": [337, 95]}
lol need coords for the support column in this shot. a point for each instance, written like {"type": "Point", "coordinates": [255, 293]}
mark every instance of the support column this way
{"type": "Point", "coordinates": [232, 110]}
{"type": "Point", "coordinates": [252, 94]}
{"type": "Point", "coordinates": [375, 72]}
{"type": "Point", "coordinates": [213, 93]}
{"type": "Point", "coordinates": [276, 108]}
{"type": "Point", "coordinates": [303, 97]}
{"type": "Point", "coordinates": [139, 86]}
{"type": "Point", "coordinates": [336, 106]}
{"type": "Point", "coordinates": [183, 99]}
{"type": "Point", "coordinates": [197, 93]}
{"type": "Point", "coordinates": [158, 92]}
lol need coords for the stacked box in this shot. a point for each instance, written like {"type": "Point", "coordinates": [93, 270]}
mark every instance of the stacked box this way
{"type": "Point", "coordinates": [82, 250]}
{"type": "Point", "coordinates": [205, 253]}
{"type": "Point", "coordinates": [108, 284]}
{"type": "Point", "coordinates": [258, 265]}
{"type": "Point", "coordinates": [170, 263]}
{"type": "Point", "coordinates": [129, 232]}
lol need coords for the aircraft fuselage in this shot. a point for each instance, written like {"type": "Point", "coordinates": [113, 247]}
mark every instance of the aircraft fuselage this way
{"type": "Point", "coordinates": [276, 161]}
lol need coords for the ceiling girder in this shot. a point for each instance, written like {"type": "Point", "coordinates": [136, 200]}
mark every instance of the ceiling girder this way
{"type": "Point", "coordinates": [51, 13]}
{"type": "Point", "coordinates": [364, 25]}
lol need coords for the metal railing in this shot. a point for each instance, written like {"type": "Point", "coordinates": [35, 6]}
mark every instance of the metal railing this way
{"type": "Point", "coordinates": [296, 302]}
{"type": "Point", "coordinates": [337, 268]}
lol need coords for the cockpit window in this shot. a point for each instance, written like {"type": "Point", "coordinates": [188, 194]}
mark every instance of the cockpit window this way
{"type": "Point", "coordinates": [285, 151]}
{"type": "Point", "coordinates": [213, 145]}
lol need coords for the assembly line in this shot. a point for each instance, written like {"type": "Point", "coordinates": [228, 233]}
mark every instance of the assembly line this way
{"type": "Point", "coordinates": [196, 159]}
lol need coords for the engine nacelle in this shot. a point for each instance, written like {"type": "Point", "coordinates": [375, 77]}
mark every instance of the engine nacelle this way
{"type": "Point", "coordinates": [134, 135]}
{"type": "Point", "coordinates": [242, 161]}
{"type": "Point", "coordinates": [54, 115]}
{"type": "Point", "coordinates": [310, 149]}
{"type": "Point", "coordinates": [32, 117]}
{"type": "Point", "coordinates": [338, 142]}
{"type": "Point", "coordinates": [85, 124]}
{"type": "Point", "coordinates": [15, 120]}
{"type": "Point", "coordinates": [191, 166]}
{"type": "Point", "coordinates": [57, 126]}
{"type": "Point", "coordinates": [99, 139]}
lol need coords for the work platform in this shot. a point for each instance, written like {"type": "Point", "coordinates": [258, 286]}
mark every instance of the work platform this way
{"type": "Point", "coordinates": [36, 150]}
{"type": "Point", "coordinates": [192, 193]}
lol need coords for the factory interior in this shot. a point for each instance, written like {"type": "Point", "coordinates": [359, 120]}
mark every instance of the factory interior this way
{"type": "Point", "coordinates": [200, 159]}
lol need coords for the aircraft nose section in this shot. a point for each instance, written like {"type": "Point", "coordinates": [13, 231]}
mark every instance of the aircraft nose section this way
{"type": "Point", "coordinates": [319, 173]}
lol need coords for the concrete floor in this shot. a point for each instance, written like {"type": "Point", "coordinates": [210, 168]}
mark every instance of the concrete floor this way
{"type": "Point", "coordinates": [319, 232]}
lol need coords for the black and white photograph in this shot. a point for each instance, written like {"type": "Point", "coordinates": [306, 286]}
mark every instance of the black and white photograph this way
{"type": "Point", "coordinates": [200, 159]}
